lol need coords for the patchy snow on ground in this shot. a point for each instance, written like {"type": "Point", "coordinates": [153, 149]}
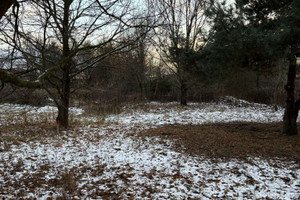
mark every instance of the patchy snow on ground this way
{"type": "Point", "coordinates": [226, 110]}
{"type": "Point", "coordinates": [106, 160]}
{"type": "Point", "coordinates": [15, 113]}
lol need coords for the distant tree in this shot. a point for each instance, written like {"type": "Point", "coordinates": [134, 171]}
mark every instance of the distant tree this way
{"type": "Point", "coordinates": [124, 71]}
{"type": "Point", "coordinates": [140, 57]}
{"type": "Point", "coordinates": [259, 32]}
{"type": "Point", "coordinates": [180, 35]}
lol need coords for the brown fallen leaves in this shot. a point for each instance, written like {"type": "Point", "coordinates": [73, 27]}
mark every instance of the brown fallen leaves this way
{"type": "Point", "coordinates": [231, 140]}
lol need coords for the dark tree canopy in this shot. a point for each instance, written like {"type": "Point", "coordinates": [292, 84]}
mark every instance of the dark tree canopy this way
{"type": "Point", "coordinates": [256, 34]}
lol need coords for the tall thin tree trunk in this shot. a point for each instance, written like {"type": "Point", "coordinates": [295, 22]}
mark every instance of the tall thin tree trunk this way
{"type": "Point", "coordinates": [183, 94]}
{"type": "Point", "coordinates": [142, 95]}
{"type": "Point", "coordinates": [257, 80]}
{"type": "Point", "coordinates": [291, 110]}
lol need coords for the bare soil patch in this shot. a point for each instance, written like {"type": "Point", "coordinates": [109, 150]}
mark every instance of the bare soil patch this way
{"type": "Point", "coordinates": [231, 140]}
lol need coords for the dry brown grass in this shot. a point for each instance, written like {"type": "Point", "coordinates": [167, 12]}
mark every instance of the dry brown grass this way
{"type": "Point", "coordinates": [231, 140]}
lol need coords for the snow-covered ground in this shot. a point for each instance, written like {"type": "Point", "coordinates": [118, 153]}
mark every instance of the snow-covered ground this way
{"type": "Point", "coordinates": [228, 109]}
{"type": "Point", "coordinates": [105, 160]}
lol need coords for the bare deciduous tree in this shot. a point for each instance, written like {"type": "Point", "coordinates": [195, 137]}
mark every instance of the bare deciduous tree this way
{"type": "Point", "coordinates": [63, 27]}
{"type": "Point", "coordinates": [181, 33]}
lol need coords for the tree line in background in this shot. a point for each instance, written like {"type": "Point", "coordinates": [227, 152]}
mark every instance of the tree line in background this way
{"type": "Point", "coordinates": [152, 49]}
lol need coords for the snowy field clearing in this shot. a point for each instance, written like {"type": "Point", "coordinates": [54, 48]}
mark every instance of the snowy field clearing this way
{"type": "Point", "coordinates": [103, 159]}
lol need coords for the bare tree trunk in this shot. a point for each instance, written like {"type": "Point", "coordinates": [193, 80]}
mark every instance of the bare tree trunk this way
{"type": "Point", "coordinates": [291, 110]}
{"type": "Point", "coordinates": [142, 94]}
{"type": "Point", "coordinates": [63, 110]}
{"type": "Point", "coordinates": [183, 94]}
{"type": "Point", "coordinates": [257, 80]}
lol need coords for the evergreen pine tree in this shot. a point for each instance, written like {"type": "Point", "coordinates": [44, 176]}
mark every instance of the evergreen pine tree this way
{"type": "Point", "coordinates": [258, 31]}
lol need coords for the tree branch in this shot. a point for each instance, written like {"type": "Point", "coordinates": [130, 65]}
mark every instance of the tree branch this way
{"type": "Point", "coordinates": [5, 5]}
{"type": "Point", "coordinates": [9, 78]}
